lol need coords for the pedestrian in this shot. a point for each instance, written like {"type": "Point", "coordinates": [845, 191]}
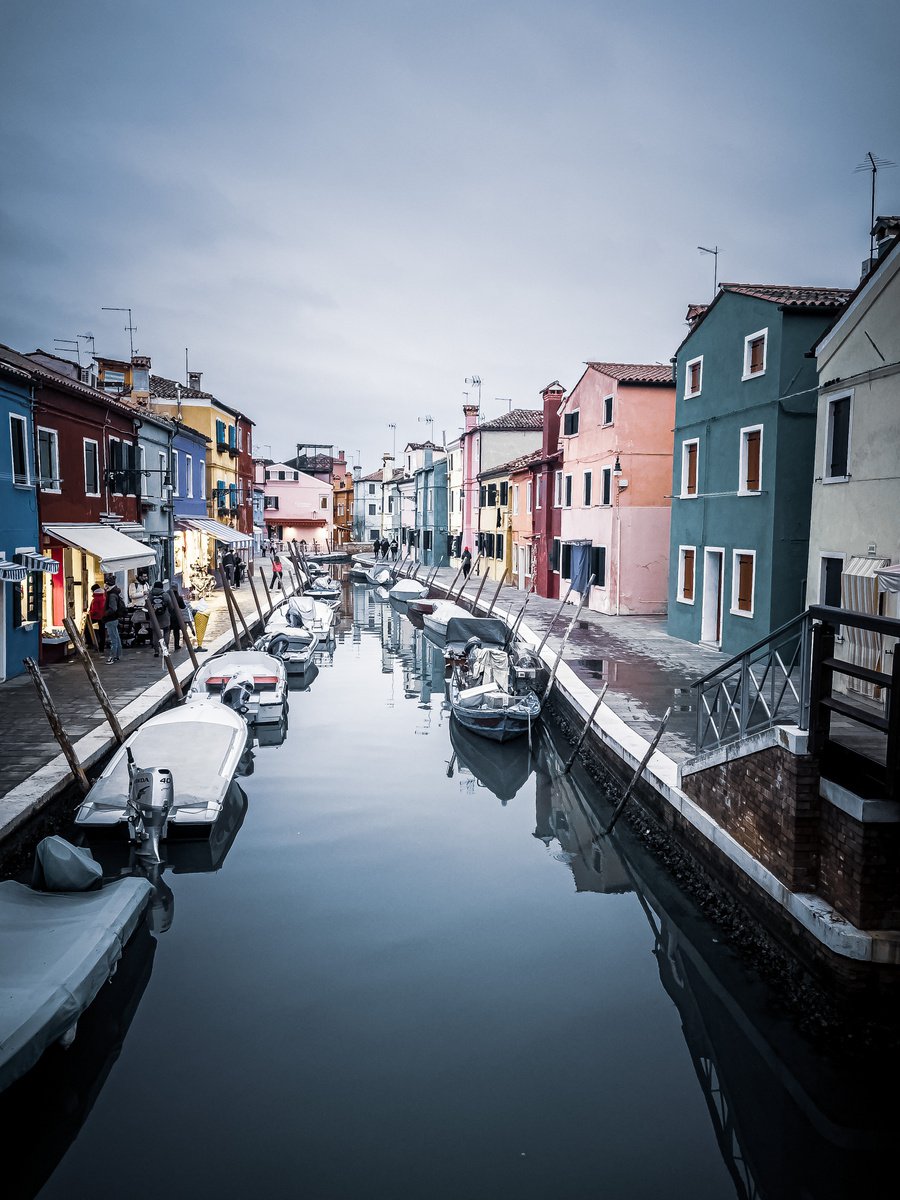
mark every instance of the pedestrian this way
{"type": "Point", "coordinates": [277, 574]}
{"type": "Point", "coordinates": [115, 608]}
{"type": "Point", "coordinates": [376, 545]}
{"type": "Point", "coordinates": [238, 570]}
{"type": "Point", "coordinates": [394, 548]}
{"type": "Point", "coordinates": [228, 566]}
{"type": "Point", "coordinates": [466, 562]}
{"type": "Point", "coordinates": [97, 614]}
{"type": "Point", "coordinates": [385, 546]}
{"type": "Point", "coordinates": [161, 603]}
{"type": "Point", "coordinates": [138, 591]}
{"type": "Point", "coordinates": [187, 615]}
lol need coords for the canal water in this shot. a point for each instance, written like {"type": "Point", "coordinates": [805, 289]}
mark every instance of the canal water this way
{"type": "Point", "coordinates": [410, 966]}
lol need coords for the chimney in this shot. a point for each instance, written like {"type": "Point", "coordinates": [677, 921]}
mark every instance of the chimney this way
{"type": "Point", "coordinates": [470, 414]}
{"type": "Point", "coordinates": [194, 378]}
{"type": "Point", "coordinates": [552, 396]}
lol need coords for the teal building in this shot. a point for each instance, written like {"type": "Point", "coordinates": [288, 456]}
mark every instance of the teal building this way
{"type": "Point", "coordinates": [745, 429]}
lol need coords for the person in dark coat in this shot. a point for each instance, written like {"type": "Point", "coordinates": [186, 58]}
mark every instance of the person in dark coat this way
{"type": "Point", "coordinates": [466, 562]}
{"type": "Point", "coordinates": [394, 549]}
{"type": "Point", "coordinates": [97, 613]}
{"type": "Point", "coordinates": [385, 546]}
{"type": "Point", "coordinates": [115, 608]}
{"type": "Point", "coordinates": [228, 565]}
{"type": "Point", "coordinates": [238, 570]}
{"type": "Point", "coordinates": [161, 603]}
{"type": "Point", "coordinates": [376, 546]}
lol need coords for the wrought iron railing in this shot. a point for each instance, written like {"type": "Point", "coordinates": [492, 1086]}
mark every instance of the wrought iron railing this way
{"type": "Point", "coordinates": [767, 684]}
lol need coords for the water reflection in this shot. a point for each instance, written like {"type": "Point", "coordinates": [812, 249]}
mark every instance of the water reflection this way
{"type": "Point", "coordinates": [502, 768]}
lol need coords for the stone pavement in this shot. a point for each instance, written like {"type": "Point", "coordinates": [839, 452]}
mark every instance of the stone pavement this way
{"type": "Point", "coordinates": [28, 742]}
{"type": "Point", "coordinates": [646, 669]}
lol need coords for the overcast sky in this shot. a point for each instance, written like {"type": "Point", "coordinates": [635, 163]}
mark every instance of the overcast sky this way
{"type": "Point", "coordinates": [344, 209]}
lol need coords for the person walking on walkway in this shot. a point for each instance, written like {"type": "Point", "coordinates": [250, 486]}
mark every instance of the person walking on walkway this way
{"type": "Point", "coordinates": [376, 546]}
{"type": "Point", "coordinates": [238, 570]}
{"type": "Point", "coordinates": [97, 614]}
{"type": "Point", "coordinates": [228, 566]}
{"type": "Point", "coordinates": [385, 546]}
{"type": "Point", "coordinates": [466, 562]}
{"type": "Point", "coordinates": [277, 574]}
{"type": "Point", "coordinates": [394, 549]}
{"type": "Point", "coordinates": [138, 591]}
{"type": "Point", "coordinates": [188, 616]}
{"type": "Point", "coordinates": [115, 608]}
{"type": "Point", "coordinates": [161, 603]}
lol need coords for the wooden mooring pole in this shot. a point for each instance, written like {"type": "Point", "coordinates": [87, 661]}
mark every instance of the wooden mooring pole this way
{"type": "Point", "coordinates": [183, 626]}
{"type": "Point", "coordinates": [484, 580]}
{"type": "Point", "coordinates": [269, 600]}
{"type": "Point", "coordinates": [638, 773]}
{"type": "Point", "coordinates": [164, 650]}
{"type": "Point", "coordinates": [564, 642]}
{"type": "Point", "coordinates": [56, 725]}
{"type": "Point", "coordinates": [94, 679]}
{"type": "Point", "coordinates": [563, 604]}
{"type": "Point", "coordinates": [466, 578]}
{"type": "Point", "coordinates": [232, 600]}
{"type": "Point", "coordinates": [497, 593]}
{"type": "Point", "coordinates": [256, 600]}
{"type": "Point", "coordinates": [588, 723]}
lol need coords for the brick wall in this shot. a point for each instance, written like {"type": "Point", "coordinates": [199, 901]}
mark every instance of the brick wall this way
{"type": "Point", "coordinates": [858, 869]}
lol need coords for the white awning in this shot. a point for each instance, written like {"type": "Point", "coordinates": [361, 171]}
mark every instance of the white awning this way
{"type": "Point", "coordinates": [11, 572]}
{"type": "Point", "coordinates": [116, 551]}
{"type": "Point", "coordinates": [889, 578]}
{"type": "Point", "coordinates": [222, 533]}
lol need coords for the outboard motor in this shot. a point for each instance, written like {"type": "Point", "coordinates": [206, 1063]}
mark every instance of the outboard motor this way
{"type": "Point", "coordinates": [237, 692]}
{"type": "Point", "coordinates": [151, 793]}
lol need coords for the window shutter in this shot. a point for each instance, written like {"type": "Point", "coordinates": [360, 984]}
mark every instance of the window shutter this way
{"type": "Point", "coordinates": [587, 489]}
{"type": "Point", "coordinates": [752, 481]}
{"type": "Point", "coordinates": [691, 489]}
{"type": "Point", "coordinates": [745, 582]}
{"type": "Point", "coordinates": [566, 568]}
{"type": "Point", "coordinates": [554, 555]}
{"type": "Point", "coordinates": [598, 565]}
{"type": "Point", "coordinates": [687, 587]}
{"type": "Point", "coordinates": [840, 437]}
{"type": "Point", "coordinates": [606, 491]}
{"type": "Point", "coordinates": [756, 355]}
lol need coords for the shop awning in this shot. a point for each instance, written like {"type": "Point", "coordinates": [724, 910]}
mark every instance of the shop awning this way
{"type": "Point", "coordinates": [889, 578]}
{"type": "Point", "coordinates": [32, 561]}
{"type": "Point", "coordinates": [11, 572]}
{"type": "Point", "coordinates": [222, 533]}
{"type": "Point", "coordinates": [116, 551]}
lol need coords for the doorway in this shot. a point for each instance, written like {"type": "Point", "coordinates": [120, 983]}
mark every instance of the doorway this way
{"type": "Point", "coordinates": [711, 620]}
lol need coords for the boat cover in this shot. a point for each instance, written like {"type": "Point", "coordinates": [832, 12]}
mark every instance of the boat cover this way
{"type": "Point", "coordinates": [491, 630]}
{"type": "Point", "coordinates": [57, 951]}
{"type": "Point", "coordinates": [491, 666]}
{"type": "Point", "coordinates": [409, 589]}
{"type": "Point", "coordinates": [61, 867]}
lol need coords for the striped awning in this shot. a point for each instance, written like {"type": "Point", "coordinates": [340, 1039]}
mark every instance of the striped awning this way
{"type": "Point", "coordinates": [889, 578]}
{"type": "Point", "coordinates": [11, 572]}
{"type": "Point", "coordinates": [222, 533]}
{"type": "Point", "coordinates": [32, 561]}
{"type": "Point", "coordinates": [859, 593]}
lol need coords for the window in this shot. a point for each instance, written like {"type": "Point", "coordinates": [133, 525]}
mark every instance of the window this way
{"type": "Point", "coordinates": [270, 502]}
{"type": "Point", "coordinates": [296, 476]}
{"type": "Point", "coordinates": [371, 489]}
{"type": "Point", "coordinates": [18, 436]}
{"type": "Point", "coordinates": [606, 487]}
{"type": "Point", "coordinates": [570, 424]}
{"type": "Point", "coordinates": [515, 504]}
{"type": "Point", "coordinates": [323, 503]}
{"type": "Point", "coordinates": [607, 410]}
{"type": "Point", "coordinates": [189, 475]}
{"type": "Point", "coordinates": [568, 491]}
{"type": "Point", "coordinates": [498, 546]}
{"type": "Point", "coordinates": [282, 475]}
{"type": "Point", "coordinates": [557, 485]}
{"type": "Point", "coordinates": [48, 460]}
{"type": "Point", "coordinates": [693, 377]}
{"type": "Point", "coordinates": [132, 478]}
{"type": "Point", "coordinates": [830, 570]}
{"type": "Point", "coordinates": [689, 468]}
{"type": "Point", "coordinates": [598, 565]}
{"type": "Point", "coordinates": [91, 468]}
{"type": "Point", "coordinates": [202, 484]}
{"type": "Point", "coordinates": [588, 481]}
{"type": "Point", "coordinates": [232, 495]}
{"type": "Point", "coordinates": [220, 433]}
{"type": "Point", "coordinates": [163, 473]}
{"type": "Point", "coordinates": [565, 561]}
{"type": "Point", "coordinates": [528, 493]}
{"type": "Point", "coordinates": [504, 493]}
{"type": "Point", "coordinates": [176, 488]}
{"type": "Point", "coordinates": [232, 435]}
{"type": "Point", "coordinates": [750, 465]}
{"type": "Point", "coordinates": [554, 555]}
{"type": "Point", "coordinates": [755, 354]}
{"type": "Point", "coordinates": [539, 491]}
{"type": "Point", "coordinates": [371, 510]}
{"type": "Point", "coordinates": [837, 439]}
{"type": "Point", "coordinates": [488, 545]}
{"type": "Point", "coordinates": [220, 495]}
{"type": "Point", "coordinates": [687, 556]}
{"type": "Point", "coordinates": [491, 494]}
{"type": "Point", "coordinates": [742, 572]}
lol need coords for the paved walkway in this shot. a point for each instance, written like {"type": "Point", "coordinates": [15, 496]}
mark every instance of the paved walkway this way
{"type": "Point", "coordinates": [28, 742]}
{"type": "Point", "coordinates": [646, 669]}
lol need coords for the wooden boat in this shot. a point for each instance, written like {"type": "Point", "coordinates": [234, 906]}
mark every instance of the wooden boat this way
{"type": "Point", "coordinates": [491, 685]}
{"type": "Point", "coordinates": [253, 682]}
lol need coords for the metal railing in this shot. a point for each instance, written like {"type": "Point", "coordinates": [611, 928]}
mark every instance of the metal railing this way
{"type": "Point", "coordinates": [766, 684]}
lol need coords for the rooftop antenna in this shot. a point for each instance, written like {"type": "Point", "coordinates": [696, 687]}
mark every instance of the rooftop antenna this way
{"type": "Point", "coordinates": [874, 164]}
{"type": "Point", "coordinates": [187, 373]}
{"type": "Point", "coordinates": [429, 421]}
{"type": "Point", "coordinates": [715, 253]}
{"type": "Point", "coordinates": [475, 381]}
{"type": "Point", "coordinates": [88, 337]}
{"type": "Point", "coordinates": [130, 329]}
{"type": "Point", "coordinates": [68, 344]}
{"type": "Point", "coordinates": [393, 425]}
{"type": "Point", "coordinates": [504, 400]}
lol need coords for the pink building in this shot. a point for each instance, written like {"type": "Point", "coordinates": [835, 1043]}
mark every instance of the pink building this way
{"type": "Point", "coordinates": [613, 489]}
{"type": "Point", "coordinates": [296, 506]}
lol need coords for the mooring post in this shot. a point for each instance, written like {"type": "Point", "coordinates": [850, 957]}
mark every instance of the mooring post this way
{"type": "Point", "coordinates": [563, 604]}
{"type": "Point", "coordinates": [94, 678]}
{"type": "Point", "coordinates": [269, 600]}
{"type": "Point", "coordinates": [256, 601]}
{"type": "Point", "coordinates": [230, 596]}
{"type": "Point", "coordinates": [484, 580]}
{"type": "Point", "coordinates": [466, 578]}
{"type": "Point", "coordinates": [56, 725]}
{"type": "Point", "coordinates": [234, 628]}
{"type": "Point", "coordinates": [564, 642]}
{"type": "Point", "coordinates": [640, 770]}
{"type": "Point", "coordinates": [183, 626]}
{"type": "Point", "coordinates": [164, 651]}
{"type": "Point", "coordinates": [497, 593]}
{"type": "Point", "coordinates": [588, 723]}
{"type": "Point", "coordinates": [453, 582]}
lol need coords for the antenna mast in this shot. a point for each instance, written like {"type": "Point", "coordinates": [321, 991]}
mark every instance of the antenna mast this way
{"type": "Point", "coordinates": [130, 329]}
{"type": "Point", "coordinates": [715, 253]}
{"type": "Point", "coordinates": [873, 164]}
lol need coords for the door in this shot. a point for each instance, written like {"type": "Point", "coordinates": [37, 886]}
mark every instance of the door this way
{"type": "Point", "coordinates": [711, 620]}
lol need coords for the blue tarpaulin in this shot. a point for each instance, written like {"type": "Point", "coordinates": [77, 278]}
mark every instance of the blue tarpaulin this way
{"type": "Point", "coordinates": [581, 567]}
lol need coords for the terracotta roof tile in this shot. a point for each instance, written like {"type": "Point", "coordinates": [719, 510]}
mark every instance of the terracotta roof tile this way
{"type": "Point", "coordinates": [168, 389]}
{"type": "Point", "coordinates": [514, 464]}
{"type": "Point", "coordinates": [635, 372]}
{"type": "Point", "coordinates": [530, 419]}
{"type": "Point", "coordinates": [790, 295]}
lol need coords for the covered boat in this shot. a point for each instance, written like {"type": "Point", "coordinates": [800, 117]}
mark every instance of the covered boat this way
{"type": "Point", "coordinates": [171, 776]}
{"type": "Point", "coordinates": [58, 949]}
{"type": "Point", "coordinates": [380, 574]}
{"type": "Point", "coordinates": [492, 683]}
{"type": "Point", "coordinates": [302, 612]}
{"type": "Point", "coordinates": [404, 591]}
{"type": "Point", "coordinates": [251, 682]}
{"type": "Point", "coordinates": [442, 611]}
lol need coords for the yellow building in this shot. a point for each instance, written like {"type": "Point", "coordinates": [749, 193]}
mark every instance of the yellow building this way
{"type": "Point", "coordinates": [494, 523]}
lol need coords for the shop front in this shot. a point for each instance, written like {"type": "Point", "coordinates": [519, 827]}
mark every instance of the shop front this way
{"type": "Point", "coordinates": [200, 543]}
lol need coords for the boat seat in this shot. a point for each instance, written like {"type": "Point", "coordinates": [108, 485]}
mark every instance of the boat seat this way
{"type": "Point", "coordinates": [472, 697]}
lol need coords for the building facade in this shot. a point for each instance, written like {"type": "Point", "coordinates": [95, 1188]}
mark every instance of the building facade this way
{"type": "Point", "coordinates": [297, 506]}
{"type": "Point", "coordinates": [432, 543]}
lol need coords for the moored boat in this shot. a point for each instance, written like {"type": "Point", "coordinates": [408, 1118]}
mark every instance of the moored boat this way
{"type": "Point", "coordinates": [404, 592]}
{"type": "Point", "coordinates": [492, 684]}
{"type": "Point", "coordinates": [252, 682]}
{"type": "Point", "coordinates": [441, 612]}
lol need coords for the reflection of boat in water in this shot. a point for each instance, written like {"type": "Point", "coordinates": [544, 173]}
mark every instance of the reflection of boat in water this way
{"type": "Point", "coordinates": [49, 1105]}
{"type": "Point", "coordinates": [502, 768]}
{"type": "Point", "coordinates": [302, 681]}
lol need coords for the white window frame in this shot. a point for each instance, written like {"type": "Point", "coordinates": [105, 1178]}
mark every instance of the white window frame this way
{"type": "Point", "coordinates": [174, 474]}
{"type": "Point", "coordinates": [557, 489]}
{"type": "Point", "coordinates": [748, 340]}
{"type": "Point", "coordinates": [515, 503]}
{"type": "Point", "coordinates": [829, 434]}
{"type": "Point", "coordinates": [735, 577]}
{"type": "Point", "coordinates": [683, 493]}
{"type": "Point", "coordinates": [567, 491]}
{"type": "Point", "coordinates": [679, 595]}
{"type": "Point", "coordinates": [96, 445]}
{"type": "Point", "coordinates": [611, 401]}
{"type": "Point", "coordinates": [692, 362]}
{"type": "Point", "coordinates": [529, 494]}
{"type": "Point", "coordinates": [743, 490]}
{"type": "Point", "coordinates": [54, 477]}
{"type": "Point", "coordinates": [189, 475]}
{"type": "Point", "coordinates": [606, 486]}
{"type": "Point", "coordinates": [587, 484]}
{"type": "Point", "coordinates": [26, 482]}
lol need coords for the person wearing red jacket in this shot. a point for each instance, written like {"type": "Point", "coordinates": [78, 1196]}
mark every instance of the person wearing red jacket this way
{"type": "Point", "coordinates": [97, 612]}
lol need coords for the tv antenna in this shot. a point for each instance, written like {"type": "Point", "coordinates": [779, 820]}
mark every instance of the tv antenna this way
{"type": "Point", "coordinates": [130, 329]}
{"type": "Point", "coordinates": [88, 337]}
{"type": "Point", "coordinates": [429, 421]}
{"type": "Point", "coordinates": [715, 253]}
{"type": "Point", "coordinates": [475, 381]}
{"type": "Point", "coordinates": [873, 164]}
{"type": "Point", "coordinates": [504, 400]}
{"type": "Point", "coordinates": [393, 426]}
{"type": "Point", "coordinates": [69, 344]}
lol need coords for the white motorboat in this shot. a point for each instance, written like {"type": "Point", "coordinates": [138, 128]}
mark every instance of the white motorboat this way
{"type": "Point", "coordinates": [444, 610]}
{"type": "Point", "coordinates": [170, 777]}
{"type": "Point", "coordinates": [251, 682]}
{"type": "Point", "coordinates": [302, 612]}
{"type": "Point", "coordinates": [295, 647]}
{"type": "Point", "coordinates": [326, 589]}
{"type": "Point", "coordinates": [406, 590]}
{"type": "Point", "coordinates": [380, 575]}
